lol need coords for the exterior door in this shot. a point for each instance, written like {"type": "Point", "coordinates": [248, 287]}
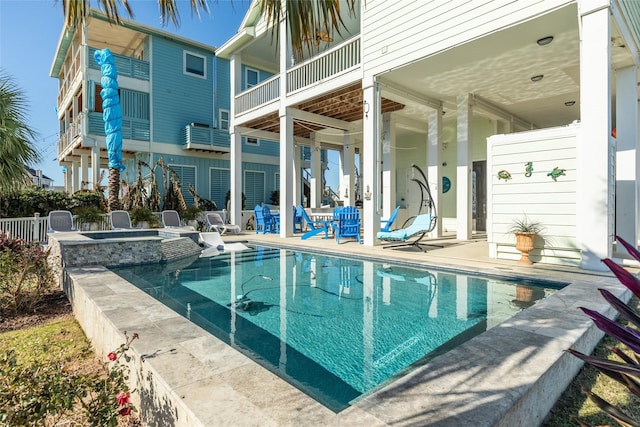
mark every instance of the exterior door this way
{"type": "Point", "coordinates": [479, 195]}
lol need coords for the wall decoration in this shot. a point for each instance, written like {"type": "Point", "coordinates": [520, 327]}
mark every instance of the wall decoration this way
{"type": "Point", "coordinates": [446, 184]}
{"type": "Point", "coordinates": [503, 174]}
{"type": "Point", "coordinates": [528, 169]}
{"type": "Point", "coordinates": [556, 172]}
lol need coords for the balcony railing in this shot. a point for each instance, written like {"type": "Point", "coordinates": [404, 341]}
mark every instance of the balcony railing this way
{"type": "Point", "coordinates": [137, 129]}
{"type": "Point", "coordinates": [258, 95]}
{"type": "Point", "coordinates": [127, 67]}
{"type": "Point", "coordinates": [72, 69]}
{"type": "Point", "coordinates": [73, 130]}
{"type": "Point", "coordinates": [196, 136]}
{"type": "Point", "coordinates": [324, 66]}
{"type": "Point", "coordinates": [329, 64]}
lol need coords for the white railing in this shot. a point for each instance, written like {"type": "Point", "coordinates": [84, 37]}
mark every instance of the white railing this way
{"type": "Point", "coordinates": [73, 130]}
{"type": "Point", "coordinates": [258, 95]}
{"type": "Point", "coordinates": [330, 63]}
{"type": "Point", "coordinates": [71, 69]}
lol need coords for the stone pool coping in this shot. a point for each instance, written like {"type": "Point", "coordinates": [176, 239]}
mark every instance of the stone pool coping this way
{"type": "Point", "coordinates": [509, 375]}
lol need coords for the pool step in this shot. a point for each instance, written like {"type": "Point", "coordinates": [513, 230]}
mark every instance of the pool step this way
{"type": "Point", "coordinates": [179, 247]}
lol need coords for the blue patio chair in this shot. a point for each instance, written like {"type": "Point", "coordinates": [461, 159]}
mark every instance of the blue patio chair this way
{"type": "Point", "coordinates": [348, 224]}
{"type": "Point", "coordinates": [334, 223]}
{"type": "Point", "coordinates": [316, 227]}
{"type": "Point", "coordinates": [385, 224]}
{"type": "Point", "coordinates": [421, 225]}
{"type": "Point", "coordinates": [265, 222]}
{"type": "Point", "coordinates": [297, 218]}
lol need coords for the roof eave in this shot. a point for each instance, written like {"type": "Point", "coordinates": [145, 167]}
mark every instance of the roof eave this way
{"type": "Point", "coordinates": [236, 43]}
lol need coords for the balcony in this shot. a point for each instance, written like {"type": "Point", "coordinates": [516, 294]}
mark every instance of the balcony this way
{"type": "Point", "coordinates": [204, 138]}
{"type": "Point", "coordinates": [339, 60]}
{"type": "Point", "coordinates": [136, 129]}
{"type": "Point", "coordinates": [127, 67]}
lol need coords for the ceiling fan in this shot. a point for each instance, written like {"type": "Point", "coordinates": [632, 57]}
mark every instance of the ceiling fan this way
{"type": "Point", "coordinates": [319, 36]}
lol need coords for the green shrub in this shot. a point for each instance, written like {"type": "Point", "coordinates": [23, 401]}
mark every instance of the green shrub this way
{"type": "Point", "coordinates": [25, 275]}
{"type": "Point", "coordinates": [28, 201]}
{"type": "Point", "coordinates": [140, 215]}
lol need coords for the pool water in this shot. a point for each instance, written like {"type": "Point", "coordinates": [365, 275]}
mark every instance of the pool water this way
{"type": "Point", "coordinates": [336, 328]}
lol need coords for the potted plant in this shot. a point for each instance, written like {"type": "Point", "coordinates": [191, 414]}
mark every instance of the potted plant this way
{"type": "Point", "coordinates": [525, 231]}
{"type": "Point", "coordinates": [143, 218]}
{"type": "Point", "coordinates": [89, 217]}
{"type": "Point", "coordinates": [191, 216]}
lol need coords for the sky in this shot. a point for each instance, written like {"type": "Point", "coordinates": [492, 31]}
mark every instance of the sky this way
{"type": "Point", "coordinates": [29, 34]}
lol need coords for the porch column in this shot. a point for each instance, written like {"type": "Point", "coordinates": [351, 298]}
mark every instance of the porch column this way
{"type": "Point", "coordinates": [370, 159]}
{"type": "Point", "coordinates": [297, 176]}
{"type": "Point", "coordinates": [347, 176]}
{"type": "Point", "coordinates": [595, 189]}
{"type": "Point", "coordinates": [68, 186]}
{"type": "Point", "coordinates": [434, 167]}
{"type": "Point", "coordinates": [95, 166]}
{"type": "Point", "coordinates": [388, 165]}
{"type": "Point", "coordinates": [316, 173]}
{"type": "Point", "coordinates": [463, 175]}
{"type": "Point", "coordinates": [235, 161]}
{"type": "Point", "coordinates": [627, 158]}
{"type": "Point", "coordinates": [286, 174]}
{"type": "Point", "coordinates": [75, 177]}
{"type": "Point", "coordinates": [84, 167]}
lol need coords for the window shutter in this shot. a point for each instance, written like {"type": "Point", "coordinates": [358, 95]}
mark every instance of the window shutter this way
{"type": "Point", "coordinates": [219, 184]}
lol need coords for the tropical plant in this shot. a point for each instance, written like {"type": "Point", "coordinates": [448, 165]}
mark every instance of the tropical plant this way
{"type": "Point", "coordinates": [303, 17]}
{"type": "Point", "coordinates": [525, 225]}
{"type": "Point", "coordinates": [16, 137]}
{"type": "Point", "coordinates": [626, 371]}
{"type": "Point", "coordinates": [227, 197]}
{"type": "Point", "coordinates": [140, 215]}
{"type": "Point", "coordinates": [275, 197]}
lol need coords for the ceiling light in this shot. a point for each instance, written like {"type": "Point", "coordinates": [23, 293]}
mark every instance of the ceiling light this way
{"type": "Point", "coordinates": [570, 103]}
{"type": "Point", "coordinates": [545, 41]}
{"type": "Point", "coordinates": [537, 78]}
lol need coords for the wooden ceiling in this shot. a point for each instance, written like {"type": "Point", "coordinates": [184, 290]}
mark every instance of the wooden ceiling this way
{"type": "Point", "coordinates": [342, 104]}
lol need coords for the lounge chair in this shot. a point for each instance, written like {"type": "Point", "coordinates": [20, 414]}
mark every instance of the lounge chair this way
{"type": "Point", "coordinates": [214, 221]}
{"type": "Point", "coordinates": [214, 244]}
{"type": "Point", "coordinates": [171, 219]}
{"type": "Point", "coordinates": [316, 227]}
{"type": "Point", "coordinates": [348, 224]}
{"type": "Point", "coordinates": [421, 225]}
{"type": "Point", "coordinates": [60, 221]}
{"type": "Point", "coordinates": [120, 220]}
{"type": "Point", "coordinates": [387, 223]}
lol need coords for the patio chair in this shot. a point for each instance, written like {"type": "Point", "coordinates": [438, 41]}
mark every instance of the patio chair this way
{"type": "Point", "coordinates": [171, 219]}
{"type": "Point", "coordinates": [60, 221]}
{"type": "Point", "coordinates": [316, 227]}
{"type": "Point", "coordinates": [120, 220]}
{"type": "Point", "coordinates": [214, 221]}
{"type": "Point", "coordinates": [348, 224]}
{"type": "Point", "coordinates": [421, 225]}
{"type": "Point", "coordinates": [387, 223]}
{"type": "Point", "coordinates": [297, 219]}
{"type": "Point", "coordinates": [213, 245]}
{"type": "Point", "coordinates": [265, 221]}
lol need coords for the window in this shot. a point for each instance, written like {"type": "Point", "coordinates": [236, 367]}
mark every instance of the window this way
{"type": "Point", "coordinates": [252, 141]}
{"type": "Point", "coordinates": [195, 65]}
{"type": "Point", "coordinates": [253, 188]}
{"type": "Point", "coordinates": [187, 176]}
{"type": "Point", "coordinates": [277, 181]}
{"type": "Point", "coordinates": [223, 120]}
{"type": "Point", "coordinates": [251, 77]}
{"type": "Point", "coordinates": [219, 184]}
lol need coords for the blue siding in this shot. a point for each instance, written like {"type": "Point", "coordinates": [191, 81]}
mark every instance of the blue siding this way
{"type": "Point", "coordinates": [178, 99]}
{"type": "Point", "coordinates": [264, 147]}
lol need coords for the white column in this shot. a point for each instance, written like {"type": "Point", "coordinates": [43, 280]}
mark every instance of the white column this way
{"type": "Point", "coordinates": [297, 176]}
{"type": "Point", "coordinates": [627, 159]}
{"type": "Point", "coordinates": [95, 166]}
{"type": "Point", "coordinates": [286, 174]}
{"type": "Point", "coordinates": [235, 162]}
{"type": "Point", "coordinates": [388, 166]}
{"type": "Point", "coordinates": [347, 174]}
{"type": "Point", "coordinates": [463, 172]}
{"type": "Point", "coordinates": [84, 167]}
{"type": "Point", "coordinates": [370, 159]}
{"type": "Point", "coordinates": [316, 173]}
{"type": "Point", "coordinates": [595, 193]}
{"type": "Point", "coordinates": [75, 177]}
{"type": "Point", "coordinates": [68, 185]}
{"type": "Point", "coordinates": [434, 167]}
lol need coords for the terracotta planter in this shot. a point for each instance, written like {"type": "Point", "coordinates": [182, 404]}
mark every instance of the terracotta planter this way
{"type": "Point", "coordinates": [524, 243]}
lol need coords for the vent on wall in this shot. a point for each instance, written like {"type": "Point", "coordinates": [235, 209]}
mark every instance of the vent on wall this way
{"type": "Point", "coordinates": [200, 125]}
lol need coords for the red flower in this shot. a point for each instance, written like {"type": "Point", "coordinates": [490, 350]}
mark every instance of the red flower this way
{"type": "Point", "coordinates": [122, 398]}
{"type": "Point", "coordinates": [125, 411]}
{"type": "Point", "coordinates": [112, 356]}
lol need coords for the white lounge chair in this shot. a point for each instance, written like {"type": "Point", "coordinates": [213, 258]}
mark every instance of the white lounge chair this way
{"type": "Point", "coordinates": [60, 221]}
{"type": "Point", "coordinates": [171, 219]}
{"type": "Point", "coordinates": [214, 221]}
{"type": "Point", "coordinates": [214, 244]}
{"type": "Point", "coordinates": [120, 220]}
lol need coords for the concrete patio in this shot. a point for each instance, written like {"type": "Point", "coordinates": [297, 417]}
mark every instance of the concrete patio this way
{"type": "Point", "coordinates": [510, 375]}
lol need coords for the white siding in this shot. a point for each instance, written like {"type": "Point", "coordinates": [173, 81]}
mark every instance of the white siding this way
{"type": "Point", "coordinates": [552, 203]}
{"type": "Point", "coordinates": [431, 26]}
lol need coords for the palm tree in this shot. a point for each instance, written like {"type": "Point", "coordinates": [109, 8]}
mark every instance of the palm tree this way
{"type": "Point", "coordinates": [16, 137]}
{"type": "Point", "coordinates": [304, 17]}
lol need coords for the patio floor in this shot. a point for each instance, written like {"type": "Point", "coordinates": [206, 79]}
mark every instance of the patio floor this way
{"type": "Point", "coordinates": [510, 375]}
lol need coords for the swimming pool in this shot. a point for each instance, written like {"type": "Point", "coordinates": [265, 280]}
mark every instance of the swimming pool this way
{"type": "Point", "coordinates": [336, 328]}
